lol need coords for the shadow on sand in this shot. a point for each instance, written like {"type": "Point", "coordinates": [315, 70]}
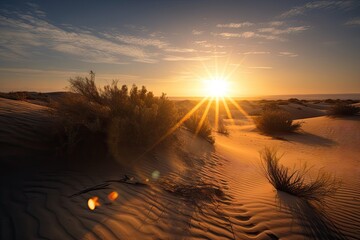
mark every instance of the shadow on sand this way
{"type": "Point", "coordinates": [307, 139]}
{"type": "Point", "coordinates": [313, 219]}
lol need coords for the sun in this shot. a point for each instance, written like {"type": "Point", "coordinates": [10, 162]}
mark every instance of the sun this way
{"type": "Point", "coordinates": [216, 87]}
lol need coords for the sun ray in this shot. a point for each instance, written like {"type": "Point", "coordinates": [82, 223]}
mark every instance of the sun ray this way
{"type": "Point", "coordinates": [177, 125]}
{"type": "Point", "coordinates": [238, 107]}
{"type": "Point", "coordinates": [203, 117]}
{"type": "Point", "coordinates": [228, 113]}
{"type": "Point", "coordinates": [216, 120]}
{"type": "Point", "coordinates": [228, 76]}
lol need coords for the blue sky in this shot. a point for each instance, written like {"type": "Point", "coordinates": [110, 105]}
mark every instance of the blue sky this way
{"type": "Point", "coordinates": [263, 47]}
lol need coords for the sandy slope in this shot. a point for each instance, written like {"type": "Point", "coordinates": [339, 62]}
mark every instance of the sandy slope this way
{"type": "Point", "coordinates": [36, 203]}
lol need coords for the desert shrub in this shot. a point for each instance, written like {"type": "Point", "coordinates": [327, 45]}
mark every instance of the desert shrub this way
{"type": "Point", "coordinates": [276, 121]}
{"type": "Point", "coordinates": [222, 128]}
{"type": "Point", "coordinates": [124, 118]}
{"type": "Point", "coordinates": [293, 181]}
{"type": "Point", "coordinates": [343, 109]}
{"type": "Point", "coordinates": [204, 131]}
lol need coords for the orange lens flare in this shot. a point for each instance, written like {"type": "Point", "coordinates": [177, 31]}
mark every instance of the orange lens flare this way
{"type": "Point", "coordinates": [113, 196]}
{"type": "Point", "coordinates": [93, 203]}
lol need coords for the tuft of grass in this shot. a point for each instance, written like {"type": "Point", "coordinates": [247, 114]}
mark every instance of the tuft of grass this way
{"type": "Point", "coordinates": [294, 181]}
{"type": "Point", "coordinates": [343, 109]}
{"type": "Point", "coordinates": [276, 121]}
{"type": "Point", "coordinates": [222, 129]}
{"type": "Point", "coordinates": [205, 131]}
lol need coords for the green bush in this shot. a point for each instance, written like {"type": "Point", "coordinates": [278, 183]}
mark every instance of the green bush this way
{"type": "Point", "coordinates": [276, 121]}
{"type": "Point", "coordinates": [134, 118]}
{"type": "Point", "coordinates": [294, 181]}
{"type": "Point", "coordinates": [343, 109]}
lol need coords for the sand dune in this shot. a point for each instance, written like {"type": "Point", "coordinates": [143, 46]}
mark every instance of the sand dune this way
{"type": "Point", "coordinates": [36, 203]}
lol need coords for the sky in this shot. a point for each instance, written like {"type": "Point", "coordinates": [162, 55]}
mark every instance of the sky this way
{"type": "Point", "coordinates": [259, 47]}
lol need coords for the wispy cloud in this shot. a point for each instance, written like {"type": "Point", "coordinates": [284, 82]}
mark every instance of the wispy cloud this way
{"type": "Point", "coordinates": [288, 54]}
{"type": "Point", "coordinates": [20, 33]}
{"type": "Point", "coordinates": [300, 10]}
{"type": "Point", "coordinates": [139, 41]}
{"type": "Point", "coordinates": [180, 50]}
{"type": "Point", "coordinates": [197, 32]}
{"type": "Point", "coordinates": [277, 31]}
{"type": "Point", "coordinates": [235, 25]}
{"type": "Point", "coordinates": [236, 35]}
{"type": "Point", "coordinates": [248, 35]}
{"type": "Point", "coordinates": [181, 58]}
{"type": "Point", "coordinates": [255, 53]}
{"type": "Point", "coordinates": [355, 21]}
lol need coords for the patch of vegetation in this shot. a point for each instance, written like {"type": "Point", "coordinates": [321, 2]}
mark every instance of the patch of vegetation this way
{"type": "Point", "coordinates": [201, 128]}
{"type": "Point", "coordinates": [121, 117]}
{"type": "Point", "coordinates": [222, 129]}
{"type": "Point", "coordinates": [293, 181]}
{"type": "Point", "coordinates": [276, 121]}
{"type": "Point", "coordinates": [343, 109]}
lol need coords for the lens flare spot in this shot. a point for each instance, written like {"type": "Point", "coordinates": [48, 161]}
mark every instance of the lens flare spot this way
{"type": "Point", "coordinates": [155, 174]}
{"type": "Point", "coordinates": [93, 203]}
{"type": "Point", "coordinates": [113, 196]}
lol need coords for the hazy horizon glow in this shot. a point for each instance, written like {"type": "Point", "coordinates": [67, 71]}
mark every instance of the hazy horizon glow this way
{"type": "Point", "coordinates": [258, 47]}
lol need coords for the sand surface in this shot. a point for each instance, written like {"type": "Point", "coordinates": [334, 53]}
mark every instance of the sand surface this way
{"type": "Point", "coordinates": [36, 202]}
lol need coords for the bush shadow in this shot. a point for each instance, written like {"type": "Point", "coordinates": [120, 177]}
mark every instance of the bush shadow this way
{"type": "Point", "coordinates": [312, 218]}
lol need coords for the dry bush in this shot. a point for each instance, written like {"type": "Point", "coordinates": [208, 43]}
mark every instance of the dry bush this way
{"type": "Point", "coordinates": [276, 121]}
{"type": "Point", "coordinates": [134, 118]}
{"type": "Point", "coordinates": [222, 129]}
{"type": "Point", "coordinates": [343, 109]}
{"type": "Point", "coordinates": [293, 181]}
{"type": "Point", "coordinates": [205, 131]}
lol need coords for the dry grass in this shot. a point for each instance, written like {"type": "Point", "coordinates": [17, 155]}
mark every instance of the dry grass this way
{"type": "Point", "coordinates": [125, 118]}
{"type": "Point", "coordinates": [343, 109]}
{"type": "Point", "coordinates": [205, 131]}
{"type": "Point", "coordinates": [294, 181]}
{"type": "Point", "coordinates": [276, 121]}
{"type": "Point", "coordinates": [222, 129]}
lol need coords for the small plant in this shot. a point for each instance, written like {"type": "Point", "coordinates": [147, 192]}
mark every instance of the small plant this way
{"type": "Point", "coordinates": [222, 129]}
{"type": "Point", "coordinates": [293, 181]}
{"type": "Point", "coordinates": [343, 109]}
{"type": "Point", "coordinates": [276, 121]}
{"type": "Point", "coordinates": [199, 127]}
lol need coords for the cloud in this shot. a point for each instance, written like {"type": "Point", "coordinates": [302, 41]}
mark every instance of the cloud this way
{"type": "Point", "coordinates": [196, 32]}
{"type": "Point", "coordinates": [255, 53]}
{"type": "Point", "coordinates": [180, 58]}
{"type": "Point", "coordinates": [300, 10]}
{"type": "Point", "coordinates": [180, 50]}
{"type": "Point", "coordinates": [20, 33]}
{"type": "Point", "coordinates": [288, 30]}
{"type": "Point", "coordinates": [288, 54]}
{"type": "Point", "coordinates": [235, 25]}
{"type": "Point", "coordinates": [236, 35]}
{"type": "Point", "coordinates": [276, 23]}
{"type": "Point", "coordinates": [227, 35]}
{"type": "Point", "coordinates": [139, 41]}
{"type": "Point", "coordinates": [355, 21]}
